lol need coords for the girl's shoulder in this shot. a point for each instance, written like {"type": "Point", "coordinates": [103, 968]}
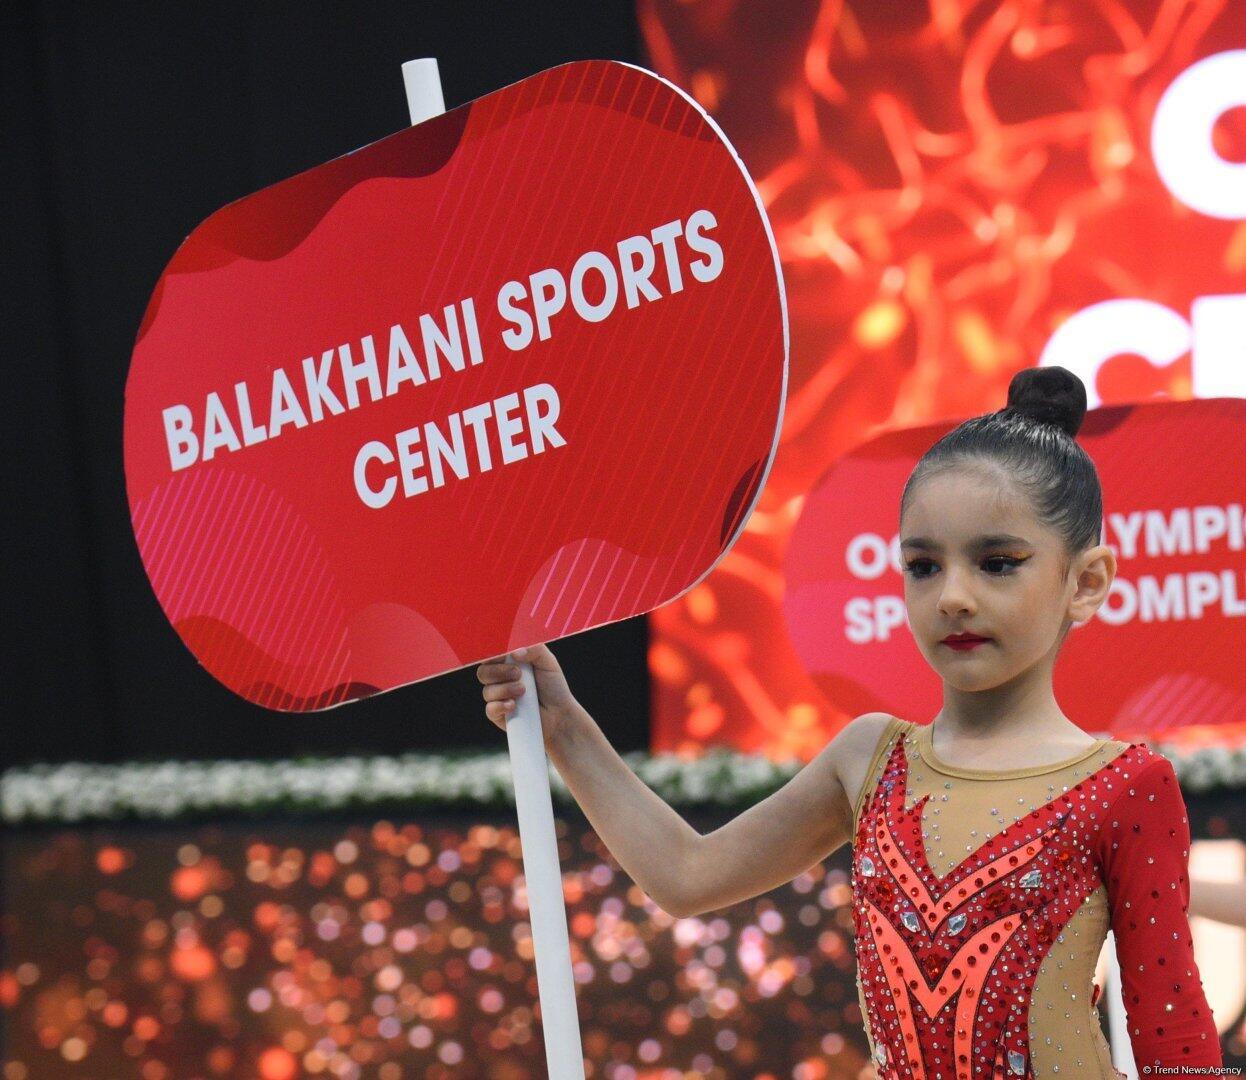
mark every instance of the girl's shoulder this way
{"type": "Point", "coordinates": [1138, 752]}
{"type": "Point", "coordinates": [879, 734]}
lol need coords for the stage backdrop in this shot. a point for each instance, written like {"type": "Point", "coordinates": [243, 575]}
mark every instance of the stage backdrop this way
{"type": "Point", "coordinates": [957, 190]}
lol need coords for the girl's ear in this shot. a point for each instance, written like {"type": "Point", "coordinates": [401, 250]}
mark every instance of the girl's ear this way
{"type": "Point", "coordinates": [1095, 570]}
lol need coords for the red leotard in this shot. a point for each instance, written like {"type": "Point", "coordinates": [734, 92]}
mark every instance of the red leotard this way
{"type": "Point", "coordinates": [981, 899]}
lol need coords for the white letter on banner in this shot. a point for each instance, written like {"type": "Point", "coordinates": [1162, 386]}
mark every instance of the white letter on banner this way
{"type": "Point", "coordinates": [218, 431]}
{"type": "Point", "coordinates": [353, 374]}
{"type": "Point", "coordinates": [541, 425]}
{"type": "Point", "coordinates": [549, 294]}
{"type": "Point", "coordinates": [1084, 342]}
{"type": "Point", "coordinates": [402, 362]}
{"type": "Point", "coordinates": [594, 260]}
{"type": "Point", "coordinates": [380, 452]}
{"type": "Point", "coordinates": [665, 235]}
{"type": "Point", "coordinates": [451, 450]}
{"type": "Point", "coordinates": [409, 461]}
{"type": "Point", "coordinates": [180, 436]}
{"type": "Point", "coordinates": [1219, 346]}
{"type": "Point", "coordinates": [713, 252]}
{"type": "Point", "coordinates": [475, 418]}
{"type": "Point", "coordinates": [636, 278]}
{"type": "Point", "coordinates": [866, 556]}
{"type": "Point", "coordinates": [1181, 136]}
{"type": "Point", "coordinates": [509, 427]}
{"type": "Point", "coordinates": [252, 433]}
{"type": "Point", "coordinates": [318, 392]}
{"type": "Point", "coordinates": [285, 405]}
{"type": "Point", "coordinates": [448, 344]}
{"type": "Point", "coordinates": [522, 337]}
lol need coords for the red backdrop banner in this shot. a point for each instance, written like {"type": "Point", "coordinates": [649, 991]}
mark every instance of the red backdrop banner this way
{"type": "Point", "coordinates": [958, 190]}
{"type": "Point", "coordinates": [1151, 659]}
{"type": "Point", "coordinates": [495, 379]}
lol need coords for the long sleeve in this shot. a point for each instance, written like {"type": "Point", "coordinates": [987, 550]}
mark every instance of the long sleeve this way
{"type": "Point", "coordinates": [1144, 852]}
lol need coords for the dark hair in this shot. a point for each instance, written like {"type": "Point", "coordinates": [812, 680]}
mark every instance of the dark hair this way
{"type": "Point", "coordinates": [1033, 437]}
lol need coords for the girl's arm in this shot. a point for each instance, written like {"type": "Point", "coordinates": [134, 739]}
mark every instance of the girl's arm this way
{"type": "Point", "coordinates": [1144, 853]}
{"type": "Point", "coordinates": [647, 838]}
{"type": "Point", "coordinates": [795, 828]}
{"type": "Point", "coordinates": [682, 871]}
{"type": "Point", "coordinates": [1223, 901]}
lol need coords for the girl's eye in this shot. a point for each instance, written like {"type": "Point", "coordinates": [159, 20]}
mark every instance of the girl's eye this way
{"type": "Point", "coordinates": [1008, 563]}
{"type": "Point", "coordinates": [995, 564]}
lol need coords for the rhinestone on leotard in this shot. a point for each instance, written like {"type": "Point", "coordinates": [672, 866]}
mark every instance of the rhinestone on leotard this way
{"type": "Point", "coordinates": [949, 953]}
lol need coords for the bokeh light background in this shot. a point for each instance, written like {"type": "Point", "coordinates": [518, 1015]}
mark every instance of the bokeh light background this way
{"type": "Point", "coordinates": [948, 182]}
{"type": "Point", "coordinates": [398, 949]}
{"type": "Point", "coordinates": [390, 949]}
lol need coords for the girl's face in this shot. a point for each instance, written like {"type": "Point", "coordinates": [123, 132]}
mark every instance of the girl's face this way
{"type": "Point", "coordinates": [976, 560]}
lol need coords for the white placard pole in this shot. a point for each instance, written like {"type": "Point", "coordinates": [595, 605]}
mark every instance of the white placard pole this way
{"type": "Point", "coordinates": [423, 85]}
{"type": "Point", "coordinates": [530, 771]}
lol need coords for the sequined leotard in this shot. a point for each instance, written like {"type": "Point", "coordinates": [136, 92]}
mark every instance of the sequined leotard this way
{"type": "Point", "coordinates": [981, 900]}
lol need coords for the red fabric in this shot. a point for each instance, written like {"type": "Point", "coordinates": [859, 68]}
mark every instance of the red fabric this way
{"type": "Point", "coordinates": [948, 964]}
{"type": "Point", "coordinates": [1143, 850]}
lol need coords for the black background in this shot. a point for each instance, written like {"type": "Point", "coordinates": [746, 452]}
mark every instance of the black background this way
{"type": "Point", "coordinates": [125, 125]}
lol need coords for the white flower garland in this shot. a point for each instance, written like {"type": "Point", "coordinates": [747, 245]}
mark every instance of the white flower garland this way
{"type": "Point", "coordinates": [77, 792]}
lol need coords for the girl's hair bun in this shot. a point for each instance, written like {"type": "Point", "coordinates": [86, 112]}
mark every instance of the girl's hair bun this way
{"type": "Point", "coordinates": [1048, 395]}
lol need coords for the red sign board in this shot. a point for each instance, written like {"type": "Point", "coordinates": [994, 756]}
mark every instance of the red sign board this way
{"type": "Point", "coordinates": [498, 378]}
{"type": "Point", "coordinates": [1161, 653]}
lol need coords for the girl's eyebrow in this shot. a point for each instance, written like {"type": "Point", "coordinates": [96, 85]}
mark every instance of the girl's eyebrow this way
{"type": "Point", "coordinates": [924, 543]}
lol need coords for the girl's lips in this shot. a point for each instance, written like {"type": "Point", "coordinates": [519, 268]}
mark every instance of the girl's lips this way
{"type": "Point", "coordinates": [964, 643]}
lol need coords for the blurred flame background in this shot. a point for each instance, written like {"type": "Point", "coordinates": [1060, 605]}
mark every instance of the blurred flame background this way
{"type": "Point", "coordinates": [948, 181]}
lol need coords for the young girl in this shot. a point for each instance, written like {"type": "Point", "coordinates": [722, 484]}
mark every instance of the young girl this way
{"type": "Point", "coordinates": [992, 847]}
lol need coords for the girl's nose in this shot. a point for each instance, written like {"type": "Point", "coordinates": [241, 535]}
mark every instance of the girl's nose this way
{"type": "Point", "coordinates": [954, 598]}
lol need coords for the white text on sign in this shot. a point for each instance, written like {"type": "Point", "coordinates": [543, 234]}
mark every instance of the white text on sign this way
{"type": "Point", "coordinates": [347, 375]}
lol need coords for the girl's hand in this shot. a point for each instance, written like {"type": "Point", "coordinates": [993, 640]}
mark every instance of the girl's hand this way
{"type": "Point", "coordinates": [502, 688]}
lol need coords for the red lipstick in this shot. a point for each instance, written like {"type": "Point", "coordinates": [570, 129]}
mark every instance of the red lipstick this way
{"type": "Point", "coordinates": [964, 642]}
